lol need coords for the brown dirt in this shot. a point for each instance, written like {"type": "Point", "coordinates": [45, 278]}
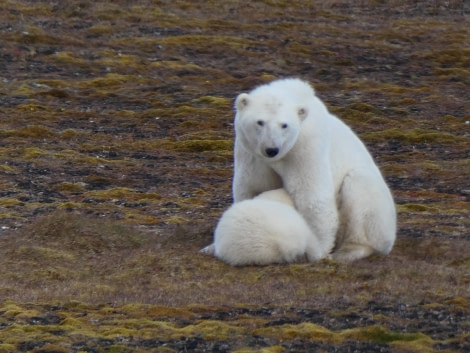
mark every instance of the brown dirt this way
{"type": "Point", "coordinates": [116, 142]}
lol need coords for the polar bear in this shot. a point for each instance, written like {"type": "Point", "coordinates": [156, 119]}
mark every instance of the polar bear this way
{"type": "Point", "coordinates": [262, 231]}
{"type": "Point", "coordinates": [286, 137]}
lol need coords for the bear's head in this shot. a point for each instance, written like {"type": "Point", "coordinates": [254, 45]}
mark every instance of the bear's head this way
{"type": "Point", "coordinates": [267, 124]}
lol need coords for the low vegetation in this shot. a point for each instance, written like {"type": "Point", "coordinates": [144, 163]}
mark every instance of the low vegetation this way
{"type": "Point", "coordinates": [116, 134]}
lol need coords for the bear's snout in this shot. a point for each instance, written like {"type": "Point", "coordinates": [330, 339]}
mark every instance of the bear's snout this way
{"type": "Point", "coordinates": [272, 152]}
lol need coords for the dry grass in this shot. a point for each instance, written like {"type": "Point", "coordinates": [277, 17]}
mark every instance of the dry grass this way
{"type": "Point", "coordinates": [116, 161]}
{"type": "Point", "coordinates": [65, 255]}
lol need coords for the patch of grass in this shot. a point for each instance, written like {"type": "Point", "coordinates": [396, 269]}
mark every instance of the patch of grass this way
{"type": "Point", "coordinates": [450, 57]}
{"type": "Point", "coordinates": [70, 187]}
{"type": "Point", "coordinates": [413, 207]}
{"type": "Point", "coordinates": [9, 202]}
{"type": "Point", "coordinates": [379, 334]}
{"type": "Point", "coordinates": [412, 136]}
{"type": "Point", "coordinates": [69, 134]}
{"type": "Point", "coordinates": [8, 169]}
{"type": "Point", "coordinates": [109, 81]}
{"type": "Point", "coordinates": [306, 330]}
{"type": "Point", "coordinates": [314, 332]}
{"type": "Point", "coordinates": [82, 234]}
{"type": "Point", "coordinates": [32, 153]}
{"type": "Point", "coordinates": [7, 348]}
{"type": "Point", "coordinates": [33, 131]}
{"type": "Point", "coordinates": [118, 325]}
{"type": "Point", "coordinates": [203, 145]}
{"type": "Point", "coordinates": [69, 59]}
{"type": "Point", "coordinates": [121, 112]}
{"type": "Point", "coordinates": [100, 29]}
{"type": "Point", "coordinates": [221, 102]}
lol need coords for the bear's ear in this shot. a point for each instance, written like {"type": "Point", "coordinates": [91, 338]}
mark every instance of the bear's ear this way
{"type": "Point", "coordinates": [302, 112]}
{"type": "Point", "coordinates": [242, 101]}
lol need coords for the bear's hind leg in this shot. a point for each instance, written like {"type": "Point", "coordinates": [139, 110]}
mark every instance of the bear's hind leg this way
{"type": "Point", "coordinates": [368, 217]}
{"type": "Point", "coordinates": [350, 252]}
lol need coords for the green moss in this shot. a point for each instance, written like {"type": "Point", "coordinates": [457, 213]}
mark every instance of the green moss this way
{"type": "Point", "coordinates": [450, 119]}
{"type": "Point", "coordinates": [379, 334]}
{"type": "Point", "coordinates": [70, 206]}
{"type": "Point", "coordinates": [9, 202]}
{"type": "Point", "coordinates": [458, 302]}
{"type": "Point", "coordinates": [7, 348]}
{"type": "Point", "coordinates": [403, 101]}
{"type": "Point", "coordinates": [42, 253]}
{"type": "Point", "coordinates": [156, 311]}
{"type": "Point", "coordinates": [24, 89]}
{"type": "Point", "coordinates": [9, 215]}
{"type": "Point", "coordinates": [8, 169]}
{"type": "Point", "coordinates": [414, 207]}
{"type": "Point", "coordinates": [365, 108]}
{"type": "Point", "coordinates": [150, 196]}
{"type": "Point", "coordinates": [33, 106]}
{"type": "Point", "coordinates": [34, 131]}
{"type": "Point", "coordinates": [32, 153]}
{"type": "Point", "coordinates": [35, 35]}
{"type": "Point", "coordinates": [305, 330]}
{"type": "Point", "coordinates": [53, 83]}
{"type": "Point", "coordinates": [454, 72]}
{"type": "Point", "coordinates": [176, 65]}
{"type": "Point", "coordinates": [69, 134]}
{"type": "Point", "coordinates": [153, 83]}
{"type": "Point", "coordinates": [393, 89]}
{"type": "Point", "coordinates": [215, 101]}
{"type": "Point", "coordinates": [70, 187]}
{"type": "Point", "coordinates": [100, 29]}
{"type": "Point", "coordinates": [190, 112]}
{"type": "Point", "coordinates": [272, 349]}
{"type": "Point", "coordinates": [113, 193]}
{"type": "Point", "coordinates": [83, 234]}
{"type": "Point", "coordinates": [359, 114]}
{"type": "Point", "coordinates": [412, 136]}
{"type": "Point", "coordinates": [110, 80]}
{"type": "Point", "coordinates": [95, 179]}
{"type": "Point", "coordinates": [206, 41]}
{"type": "Point", "coordinates": [450, 57]}
{"type": "Point", "coordinates": [211, 330]}
{"type": "Point", "coordinates": [176, 220]}
{"type": "Point", "coordinates": [10, 309]}
{"type": "Point", "coordinates": [202, 145]}
{"type": "Point", "coordinates": [51, 274]}
{"type": "Point", "coordinates": [67, 155]}
{"type": "Point", "coordinates": [116, 348]}
{"type": "Point", "coordinates": [77, 305]}
{"type": "Point", "coordinates": [425, 345]}
{"type": "Point", "coordinates": [69, 58]}
{"type": "Point", "coordinates": [94, 161]}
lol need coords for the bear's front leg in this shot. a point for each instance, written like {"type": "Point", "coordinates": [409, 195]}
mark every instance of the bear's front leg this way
{"type": "Point", "coordinates": [312, 188]}
{"type": "Point", "coordinates": [322, 217]}
{"type": "Point", "coordinates": [252, 176]}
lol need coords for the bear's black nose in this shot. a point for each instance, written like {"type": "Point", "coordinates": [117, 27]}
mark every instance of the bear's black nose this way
{"type": "Point", "coordinates": [271, 152]}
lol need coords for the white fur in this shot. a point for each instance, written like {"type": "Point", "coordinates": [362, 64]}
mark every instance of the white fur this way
{"type": "Point", "coordinates": [263, 230]}
{"type": "Point", "coordinates": [321, 163]}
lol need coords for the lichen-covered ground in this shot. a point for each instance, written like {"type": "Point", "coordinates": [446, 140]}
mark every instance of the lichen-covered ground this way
{"type": "Point", "coordinates": [116, 142]}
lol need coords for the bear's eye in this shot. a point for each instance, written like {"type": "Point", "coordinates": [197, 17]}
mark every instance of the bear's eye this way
{"type": "Point", "coordinates": [284, 126]}
{"type": "Point", "coordinates": [260, 123]}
